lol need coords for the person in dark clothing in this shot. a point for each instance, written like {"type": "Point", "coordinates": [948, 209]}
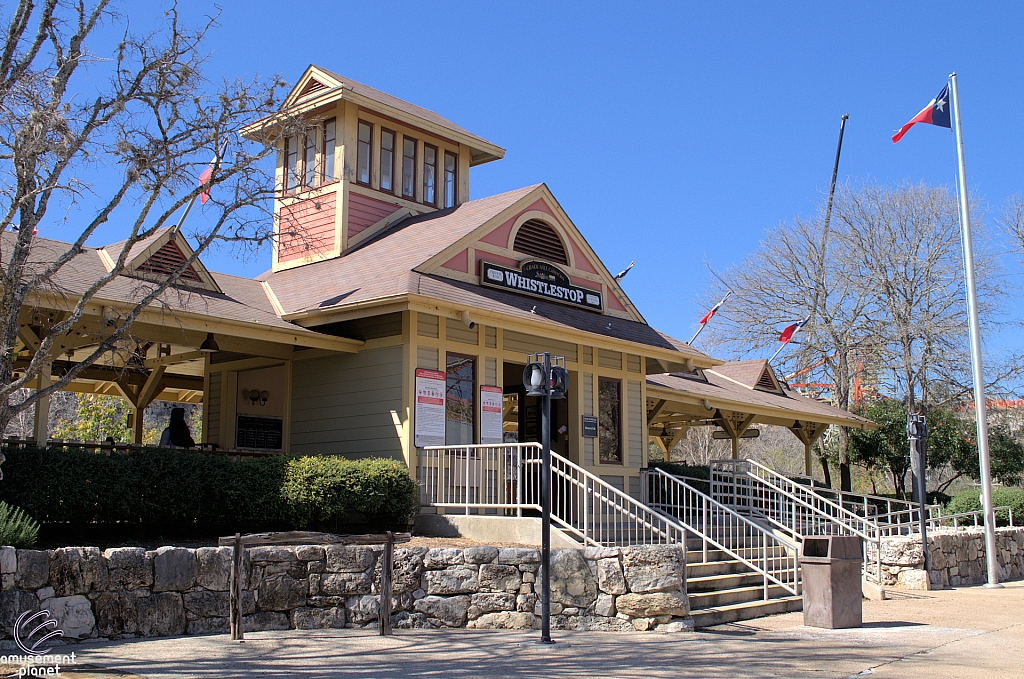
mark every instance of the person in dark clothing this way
{"type": "Point", "coordinates": [177, 434]}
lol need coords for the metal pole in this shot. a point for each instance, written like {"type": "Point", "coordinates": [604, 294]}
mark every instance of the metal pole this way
{"type": "Point", "coordinates": [714, 309]}
{"type": "Point", "coordinates": [835, 171]}
{"type": "Point", "coordinates": [545, 495]}
{"type": "Point", "coordinates": [976, 365]}
{"type": "Point", "coordinates": [917, 430]}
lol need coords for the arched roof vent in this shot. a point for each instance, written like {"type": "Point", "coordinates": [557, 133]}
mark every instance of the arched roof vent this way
{"type": "Point", "coordinates": [537, 238]}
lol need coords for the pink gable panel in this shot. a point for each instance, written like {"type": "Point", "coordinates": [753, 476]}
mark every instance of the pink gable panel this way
{"type": "Point", "coordinates": [582, 263]}
{"type": "Point", "coordinates": [306, 228]}
{"type": "Point", "coordinates": [612, 302]}
{"type": "Point", "coordinates": [497, 259]}
{"type": "Point", "coordinates": [459, 262]}
{"type": "Point", "coordinates": [500, 235]}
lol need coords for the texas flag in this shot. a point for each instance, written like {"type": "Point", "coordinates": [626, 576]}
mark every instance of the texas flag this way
{"type": "Point", "coordinates": [791, 330]}
{"type": "Point", "coordinates": [707, 317]}
{"type": "Point", "coordinates": [935, 113]}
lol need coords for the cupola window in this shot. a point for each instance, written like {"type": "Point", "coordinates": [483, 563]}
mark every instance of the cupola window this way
{"type": "Point", "coordinates": [363, 169]}
{"type": "Point", "coordinates": [387, 160]}
{"type": "Point", "coordinates": [408, 168]}
{"type": "Point", "coordinates": [429, 174]}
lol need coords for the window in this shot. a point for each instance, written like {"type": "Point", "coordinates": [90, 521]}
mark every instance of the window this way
{"type": "Point", "coordinates": [308, 159]}
{"type": "Point", "coordinates": [409, 168]}
{"type": "Point", "coordinates": [460, 406]}
{"type": "Point", "coordinates": [450, 163]}
{"type": "Point", "coordinates": [291, 161]}
{"type": "Point", "coordinates": [387, 160]}
{"type": "Point", "coordinates": [609, 420]}
{"type": "Point", "coordinates": [429, 174]}
{"type": "Point", "coordinates": [330, 137]}
{"type": "Point", "coordinates": [363, 153]}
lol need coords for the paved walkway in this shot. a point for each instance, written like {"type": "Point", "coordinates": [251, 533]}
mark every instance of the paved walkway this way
{"type": "Point", "coordinates": [970, 632]}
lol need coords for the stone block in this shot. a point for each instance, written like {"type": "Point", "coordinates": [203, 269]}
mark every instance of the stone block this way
{"type": "Point", "coordinates": [572, 583]}
{"type": "Point", "coordinates": [8, 560]}
{"type": "Point", "coordinates": [174, 569]}
{"type": "Point", "coordinates": [500, 577]}
{"type": "Point", "coordinates": [33, 569]}
{"type": "Point", "coordinates": [609, 576]}
{"type": "Point", "coordinates": [343, 584]}
{"type": "Point", "coordinates": [676, 626]}
{"type": "Point", "coordinates": [407, 572]}
{"type": "Point", "coordinates": [480, 554]}
{"type": "Point", "coordinates": [653, 568]}
{"type": "Point", "coordinates": [45, 593]}
{"type": "Point", "coordinates": [653, 604]}
{"type": "Point", "coordinates": [605, 605]}
{"type": "Point", "coordinates": [128, 568]}
{"type": "Point", "coordinates": [264, 621]}
{"type": "Point", "coordinates": [161, 615]}
{"type": "Point", "coordinates": [206, 604]}
{"type": "Point", "coordinates": [362, 610]}
{"type": "Point", "coordinates": [319, 618]}
{"type": "Point", "coordinates": [12, 604]}
{"type": "Point", "coordinates": [518, 555]}
{"type": "Point", "coordinates": [349, 558]}
{"type": "Point", "coordinates": [116, 614]}
{"type": "Point", "coordinates": [452, 580]}
{"type": "Point", "coordinates": [77, 570]}
{"type": "Point", "coordinates": [443, 557]}
{"type": "Point", "coordinates": [902, 551]}
{"type": "Point", "coordinates": [444, 611]}
{"type": "Point", "coordinates": [208, 626]}
{"type": "Point", "coordinates": [505, 620]}
{"type": "Point", "coordinates": [280, 592]}
{"type": "Point", "coordinates": [213, 568]}
{"type": "Point", "coordinates": [271, 554]}
{"type": "Point", "coordinates": [73, 615]}
{"type": "Point", "coordinates": [309, 553]}
{"type": "Point", "coordinates": [489, 602]}
{"type": "Point", "coordinates": [407, 620]}
{"type": "Point", "coordinates": [595, 553]}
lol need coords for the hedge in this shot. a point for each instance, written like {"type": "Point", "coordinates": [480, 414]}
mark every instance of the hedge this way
{"type": "Point", "coordinates": [970, 501]}
{"type": "Point", "coordinates": [162, 488]}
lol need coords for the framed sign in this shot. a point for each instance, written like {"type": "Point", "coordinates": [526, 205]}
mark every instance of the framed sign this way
{"type": "Point", "coordinates": [261, 433]}
{"type": "Point", "coordinates": [430, 386]}
{"type": "Point", "coordinates": [490, 414]}
{"type": "Point", "coordinates": [589, 426]}
{"type": "Point", "coordinates": [541, 279]}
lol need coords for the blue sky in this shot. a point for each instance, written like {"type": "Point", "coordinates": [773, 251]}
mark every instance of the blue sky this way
{"type": "Point", "coordinates": [673, 134]}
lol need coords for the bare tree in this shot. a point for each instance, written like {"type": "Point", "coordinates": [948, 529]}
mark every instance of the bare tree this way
{"type": "Point", "coordinates": [122, 136]}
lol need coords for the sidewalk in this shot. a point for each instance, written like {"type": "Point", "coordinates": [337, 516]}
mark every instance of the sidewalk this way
{"type": "Point", "coordinates": [970, 632]}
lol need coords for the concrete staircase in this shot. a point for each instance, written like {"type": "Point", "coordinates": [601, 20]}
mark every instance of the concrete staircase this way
{"type": "Point", "coordinates": [723, 590]}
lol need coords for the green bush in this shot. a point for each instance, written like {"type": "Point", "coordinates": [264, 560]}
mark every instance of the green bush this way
{"type": "Point", "coordinates": [688, 471]}
{"type": "Point", "coordinates": [323, 490]}
{"type": "Point", "coordinates": [970, 501]}
{"type": "Point", "coordinates": [16, 528]}
{"type": "Point", "coordinates": [181, 490]}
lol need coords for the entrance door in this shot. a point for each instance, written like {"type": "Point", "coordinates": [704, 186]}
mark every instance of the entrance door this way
{"type": "Point", "coordinates": [522, 414]}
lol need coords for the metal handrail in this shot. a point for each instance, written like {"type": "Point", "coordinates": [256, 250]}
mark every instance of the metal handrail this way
{"type": "Point", "coordinates": [756, 547]}
{"type": "Point", "coordinates": [934, 522]}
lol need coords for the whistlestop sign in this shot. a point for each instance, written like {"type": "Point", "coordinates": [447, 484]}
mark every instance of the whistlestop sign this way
{"type": "Point", "coordinates": [430, 388]}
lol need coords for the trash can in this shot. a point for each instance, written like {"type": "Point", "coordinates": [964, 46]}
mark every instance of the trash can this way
{"type": "Point", "coordinates": [831, 566]}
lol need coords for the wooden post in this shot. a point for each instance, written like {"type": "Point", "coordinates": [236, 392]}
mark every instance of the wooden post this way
{"type": "Point", "coordinates": [735, 447]}
{"type": "Point", "coordinates": [386, 568]}
{"type": "Point", "coordinates": [235, 588]}
{"type": "Point", "coordinates": [41, 429]}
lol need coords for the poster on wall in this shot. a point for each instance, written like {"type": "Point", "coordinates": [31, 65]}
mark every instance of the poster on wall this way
{"type": "Point", "coordinates": [490, 414]}
{"type": "Point", "coordinates": [430, 386]}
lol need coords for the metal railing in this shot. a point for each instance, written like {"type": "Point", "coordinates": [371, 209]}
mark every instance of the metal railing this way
{"type": "Point", "coordinates": [761, 550]}
{"type": "Point", "coordinates": [490, 478]}
{"type": "Point", "coordinates": [791, 507]}
{"type": "Point", "coordinates": [975, 516]}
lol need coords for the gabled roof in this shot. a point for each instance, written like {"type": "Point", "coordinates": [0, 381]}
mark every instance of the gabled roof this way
{"type": "Point", "coordinates": [728, 394]}
{"type": "Point", "coordinates": [754, 374]}
{"type": "Point", "coordinates": [333, 86]}
{"type": "Point", "coordinates": [158, 256]}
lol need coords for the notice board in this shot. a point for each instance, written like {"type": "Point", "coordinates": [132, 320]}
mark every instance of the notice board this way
{"type": "Point", "coordinates": [490, 414]}
{"type": "Point", "coordinates": [430, 391]}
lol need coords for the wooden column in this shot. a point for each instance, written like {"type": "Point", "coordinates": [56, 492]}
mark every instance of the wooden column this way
{"type": "Point", "coordinates": [41, 429]}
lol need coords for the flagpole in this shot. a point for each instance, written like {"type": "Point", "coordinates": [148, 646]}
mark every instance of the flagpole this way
{"type": "Point", "coordinates": [702, 325]}
{"type": "Point", "coordinates": [777, 352]}
{"type": "Point", "coordinates": [975, 334]}
{"type": "Point", "coordinates": [188, 208]}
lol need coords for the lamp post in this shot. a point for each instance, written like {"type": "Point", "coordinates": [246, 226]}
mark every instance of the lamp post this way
{"type": "Point", "coordinates": [917, 432]}
{"type": "Point", "coordinates": [547, 378]}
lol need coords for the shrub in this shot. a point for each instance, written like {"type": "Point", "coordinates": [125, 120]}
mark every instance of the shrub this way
{"type": "Point", "coordinates": [688, 471]}
{"type": "Point", "coordinates": [324, 489]}
{"type": "Point", "coordinates": [970, 501]}
{"type": "Point", "coordinates": [17, 529]}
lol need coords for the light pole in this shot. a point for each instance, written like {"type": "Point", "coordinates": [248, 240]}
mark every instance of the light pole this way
{"type": "Point", "coordinates": [917, 431]}
{"type": "Point", "coordinates": [547, 380]}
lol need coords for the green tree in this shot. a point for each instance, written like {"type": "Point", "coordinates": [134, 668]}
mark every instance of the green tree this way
{"type": "Point", "coordinates": [97, 417]}
{"type": "Point", "coordinates": [887, 448]}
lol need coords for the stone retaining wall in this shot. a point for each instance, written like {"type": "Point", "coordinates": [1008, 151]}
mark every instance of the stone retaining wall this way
{"type": "Point", "coordinates": [130, 592]}
{"type": "Point", "coordinates": [955, 558]}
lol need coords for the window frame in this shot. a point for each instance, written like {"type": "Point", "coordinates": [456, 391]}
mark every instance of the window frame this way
{"type": "Point", "coordinates": [291, 161]}
{"type": "Point", "coordinates": [621, 452]}
{"type": "Point", "coordinates": [474, 397]}
{"type": "Point", "coordinates": [391, 176]}
{"type": "Point", "coordinates": [326, 178]}
{"type": "Point", "coordinates": [454, 179]}
{"type": "Point", "coordinates": [432, 203]}
{"type": "Point", "coordinates": [308, 159]}
{"type": "Point", "coordinates": [411, 164]}
{"type": "Point", "coordinates": [369, 153]}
